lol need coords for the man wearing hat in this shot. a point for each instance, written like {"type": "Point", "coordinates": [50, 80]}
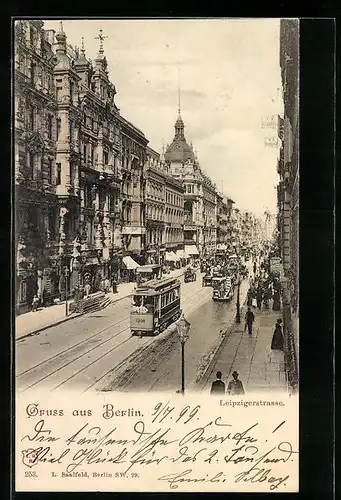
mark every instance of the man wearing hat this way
{"type": "Point", "coordinates": [235, 386]}
{"type": "Point", "coordinates": [218, 386]}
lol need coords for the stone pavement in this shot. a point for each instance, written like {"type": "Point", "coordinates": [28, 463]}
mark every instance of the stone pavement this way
{"type": "Point", "coordinates": [33, 322]}
{"type": "Point", "coordinates": [260, 368]}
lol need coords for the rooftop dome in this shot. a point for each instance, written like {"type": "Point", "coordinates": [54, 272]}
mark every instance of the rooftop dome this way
{"type": "Point", "coordinates": [179, 151]}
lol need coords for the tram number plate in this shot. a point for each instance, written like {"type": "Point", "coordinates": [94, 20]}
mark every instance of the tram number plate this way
{"type": "Point", "coordinates": [140, 320]}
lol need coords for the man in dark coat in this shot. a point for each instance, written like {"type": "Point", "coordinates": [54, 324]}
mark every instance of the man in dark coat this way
{"type": "Point", "coordinates": [249, 319]}
{"type": "Point", "coordinates": [218, 386]}
{"type": "Point", "coordinates": [259, 297]}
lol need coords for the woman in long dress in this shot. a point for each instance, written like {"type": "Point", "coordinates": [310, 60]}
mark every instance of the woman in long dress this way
{"type": "Point", "coordinates": [277, 338]}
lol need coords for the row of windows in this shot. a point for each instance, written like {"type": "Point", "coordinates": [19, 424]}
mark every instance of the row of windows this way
{"type": "Point", "coordinates": [189, 188]}
{"type": "Point", "coordinates": [155, 190]}
{"type": "Point", "coordinates": [169, 298]}
{"type": "Point", "coordinates": [173, 199]}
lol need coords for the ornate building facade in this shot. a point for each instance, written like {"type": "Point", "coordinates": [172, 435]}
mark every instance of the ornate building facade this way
{"type": "Point", "coordinates": [199, 194]}
{"type": "Point", "coordinates": [155, 207]}
{"type": "Point", "coordinates": [37, 204]}
{"type": "Point", "coordinates": [79, 169]}
{"type": "Point", "coordinates": [288, 193]}
{"type": "Point", "coordinates": [164, 211]}
{"type": "Point", "coordinates": [134, 161]}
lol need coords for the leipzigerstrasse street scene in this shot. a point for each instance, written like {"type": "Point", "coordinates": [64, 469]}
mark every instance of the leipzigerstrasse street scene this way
{"type": "Point", "coordinates": [156, 182]}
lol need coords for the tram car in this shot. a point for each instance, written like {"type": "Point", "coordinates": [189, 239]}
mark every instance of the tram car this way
{"type": "Point", "coordinates": [155, 305]}
{"type": "Point", "coordinates": [222, 288]}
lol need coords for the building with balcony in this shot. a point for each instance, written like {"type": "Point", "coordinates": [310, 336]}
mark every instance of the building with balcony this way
{"type": "Point", "coordinates": [164, 211]}
{"type": "Point", "coordinates": [288, 193]}
{"type": "Point", "coordinates": [288, 165]}
{"type": "Point", "coordinates": [134, 160]}
{"type": "Point", "coordinates": [224, 213]}
{"type": "Point", "coordinates": [79, 169]}
{"type": "Point", "coordinates": [35, 130]}
{"type": "Point", "coordinates": [174, 217]}
{"type": "Point", "coordinates": [155, 207]}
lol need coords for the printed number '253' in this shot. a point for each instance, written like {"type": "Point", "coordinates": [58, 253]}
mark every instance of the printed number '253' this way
{"type": "Point", "coordinates": [29, 473]}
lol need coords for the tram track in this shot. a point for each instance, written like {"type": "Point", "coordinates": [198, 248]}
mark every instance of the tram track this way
{"type": "Point", "coordinates": [61, 356]}
{"type": "Point", "coordinates": [124, 374]}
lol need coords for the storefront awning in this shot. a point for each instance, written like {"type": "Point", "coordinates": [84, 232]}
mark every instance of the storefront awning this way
{"type": "Point", "coordinates": [171, 257]}
{"type": "Point", "coordinates": [182, 254]}
{"type": "Point", "coordinates": [129, 262]}
{"type": "Point", "coordinates": [191, 250]}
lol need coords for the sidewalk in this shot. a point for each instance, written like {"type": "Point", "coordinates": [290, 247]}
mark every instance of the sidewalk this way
{"type": "Point", "coordinates": [31, 323]}
{"type": "Point", "coordinates": [260, 368]}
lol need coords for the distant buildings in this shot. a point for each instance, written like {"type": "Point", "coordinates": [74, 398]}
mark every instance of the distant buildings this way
{"type": "Point", "coordinates": [93, 200]}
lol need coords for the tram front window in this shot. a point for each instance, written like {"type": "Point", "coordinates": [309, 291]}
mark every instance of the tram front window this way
{"type": "Point", "coordinates": [149, 304]}
{"type": "Point", "coordinates": [138, 304]}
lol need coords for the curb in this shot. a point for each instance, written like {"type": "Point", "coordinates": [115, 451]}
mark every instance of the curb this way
{"type": "Point", "coordinates": [200, 384]}
{"type": "Point", "coordinates": [46, 327]}
{"type": "Point", "coordinates": [67, 318]}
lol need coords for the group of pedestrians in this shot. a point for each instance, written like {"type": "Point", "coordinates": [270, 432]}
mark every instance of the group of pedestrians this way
{"type": "Point", "coordinates": [234, 387]}
{"type": "Point", "coordinates": [264, 287]}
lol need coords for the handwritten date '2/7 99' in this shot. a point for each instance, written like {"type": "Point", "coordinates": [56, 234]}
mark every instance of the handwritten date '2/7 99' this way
{"type": "Point", "coordinates": [167, 435]}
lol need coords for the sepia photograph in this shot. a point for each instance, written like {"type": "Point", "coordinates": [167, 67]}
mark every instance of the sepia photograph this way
{"type": "Point", "coordinates": [156, 166]}
{"type": "Point", "coordinates": [156, 204]}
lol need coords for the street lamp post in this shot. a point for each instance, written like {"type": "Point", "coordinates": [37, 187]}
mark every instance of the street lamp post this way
{"type": "Point", "coordinates": [66, 274]}
{"type": "Point", "coordinates": [183, 327]}
{"type": "Point", "coordinates": [238, 290]}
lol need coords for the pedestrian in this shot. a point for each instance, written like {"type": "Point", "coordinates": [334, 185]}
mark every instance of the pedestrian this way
{"type": "Point", "coordinates": [218, 386]}
{"type": "Point", "coordinates": [249, 297]}
{"type": "Point", "coordinates": [254, 268]}
{"type": "Point", "coordinates": [235, 386]}
{"type": "Point", "coordinates": [106, 285]}
{"type": "Point", "coordinates": [35, 303]}
{"type": "Point", "coordinates": [277, 342]}
{"type": "Point", "coordinates": [87, 289]}
{"type": "Point", "coordinates": [259, 297]}
{"type": "Point", "coordinates": [276, 300]}
{"type": "Point", "coordinates": [249, 319]}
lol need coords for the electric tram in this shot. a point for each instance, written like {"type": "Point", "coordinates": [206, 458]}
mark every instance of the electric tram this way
{"type": "Point", "coordinates": [222, 288]}
{"type": "Point", "coordinates": [155, 305]}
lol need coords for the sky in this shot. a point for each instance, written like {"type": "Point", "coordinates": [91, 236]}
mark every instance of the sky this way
{"type": "Point", "coordinates": [229, 76]}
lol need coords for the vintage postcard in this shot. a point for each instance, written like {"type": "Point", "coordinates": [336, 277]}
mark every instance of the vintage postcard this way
{"type": "Point", "coordinates": [156, 241]}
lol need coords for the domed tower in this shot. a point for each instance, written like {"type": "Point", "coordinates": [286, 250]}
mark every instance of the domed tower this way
{"type": "Point", "coordinates": [179, 151]}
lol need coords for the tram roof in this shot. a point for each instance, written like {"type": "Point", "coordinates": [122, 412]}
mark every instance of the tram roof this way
{"type": "Point", "coordinates": [148, 267]}
{"type": "Point", "coordinates": [156, 286]}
